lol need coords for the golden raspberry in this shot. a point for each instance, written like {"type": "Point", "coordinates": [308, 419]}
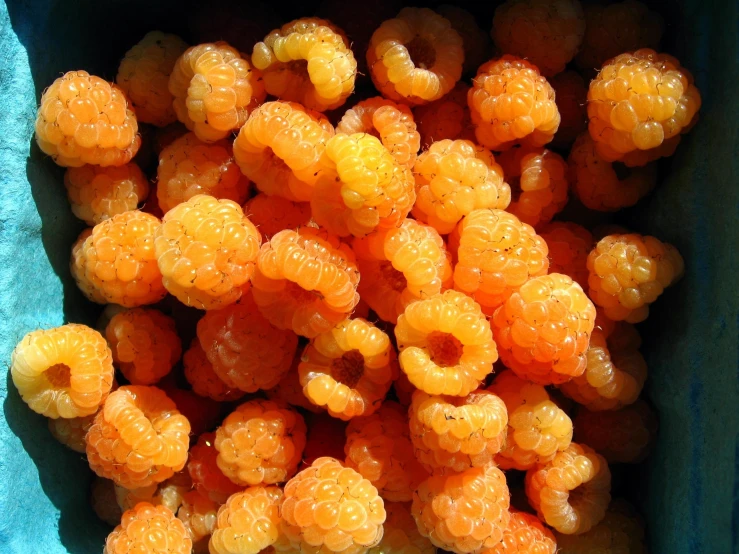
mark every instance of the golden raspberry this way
{"type": "Point", "coordinates": [623, 436]}
{"type": "Point", "coordinates": [511, 103]}
{"type": "Point", "coordinates": [290, 391]}
{"type": "Point", "coordinates": [416, 57]}
{"type": "Point", "coordinates": [569, 245]}
{"type": "Point", "coordinates": [168, 493]}
{"type": "Point", "coordinates": [144, 76]}
{"type": "Point", "coordinates": [453, 434]}
{"type": "Point", "coordinates": [244, 349]}
{"type": "Point", "coordinates": [203, 379]}
{"type": "Point", "coordinates": [538, 181]}
{"type": "Point", "coordinates": [149, 529]}
{"type": "Point", "coordinates": [638, 101]}
{"type": "Point", "coordinates": [392, 123]}
{"type": "Point", "coordinates": [98, 193]}
{"type": "Point", "coordinates": [445, 344]}
{"type": "Point", "coordinates": [309, 61]}
{"type": "Point", "coordinates": [369, 189]}
{"type": "Point", "coordinates": [198, 514]}
{"type": "Point", "coordinates": [63, 372]}
{"type": "Point", "coordinates": [261, 442]}
{"type": "Point", "coordinates": [621, 530]}
{"type": "Point", "coordinates": [282, 149]}
{"type": "Point", "coordinates": [207, 477]}
{"type": "Point", "coordinates": [214, 90]}
{"type": "Point", "coordinates": [525, 534]}
{"type": "Point", "coordinates": [189, 167]}
{"type": "Point", "coordinates": [463, 512]}
{"type": "Point", "coordinates": [537, 428]}
{"type": "Point", "coordinates": [83, 119]}
{"type": "Point", "coordinates": [138, 438]}
{"type": "Point", "coordinates": [400, 265]}
{"type": "Point", "coordinates": [628, 272]}
{"type": "Point", "coordinates": [206, 250]}
{"type": "Point", "coordinates": [102, 500]}
{"type": "Point", "coordinates": [272, 214]}
{"type": "Point", "coordinates": [453, 178]}
{"type": "Point", "coordinates": [476, 42]}
{"type": "Point", "coordinates": [447, 118]}
{"type": "Point", "coordinates": [115, 261]}
{"type": "Point", "coordinates": [144, 343]}
{"type": "Point", "coordinates": [571, 492]}
{"type": "Point", "coordinates": [329, 508]}
{"type": "Point", "coordinates": [249, 522]}
{"type": "Point", "coordinates": [306, 280]}
{"type": "Point", "coordinates": [348, 369]}
{"type": "Point", "coordinates": [379, 447]}
{"type": "Point", "coordinates": [571, 97]}
{"type": "Point", "coordinates": [71, 431]}
{"type": "Point", "coordinates": [545, 32]}
{"type": "Point", "coordinates": [401, 534]}
{"type": "Point", "coordinates": [496, 255]}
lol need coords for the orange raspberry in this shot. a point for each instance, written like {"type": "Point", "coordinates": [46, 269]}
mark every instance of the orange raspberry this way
{"type": "Point", "coordinates": [571, 492]}
{"type": "Point", "coordinates": [168, 493]}
{"type": "Point", "coordinates": [198, 514]}
{"type": "Point", "coordinates": [401, 534]}
{"type": "Point", "coordinates": [637, 102]}
{"type": "Point", "coordinates": [326, 438]}
{"type": "Point", "coordinates": [148, 528]}
{"type": "Point", "coordinates": [538, 181]}
{"type": "Point", "coordinates": [144, 343]}
{"type": "Point", "coordinates": [628, 272]}
{"type": "Point", "coordinates": [453, 178]}
{"type": "Point", "coordinates": [71, 431]}
{"type": "Point", "coordinates": [98, 193]}
{"type": "Point", "coordinates": [392, 123]}
{"type": "Point", "coordinates": [102, 500]}
{"type": "Point", "coordinates": [290, 391]}
{"type": "Point", "coordinates": [457, 433]}
{"type": "Point", "coordinates": [306, 280]}
{"type": "Point", "coordinates": [621, 436]}
{"type": "Point", "coordinates": [331, 508]}
{"type": "Point", "coordinates": [282, 149]}
{"type": "Point", "coordinates": [496, 255]}
{"type": "Point", "coordinates": [189, 167]}
{"type": "Point", "coordinates": [511, 103]}
{"type": "Point", "coordinates": [249, 522]}
{"type": "Point", "coordinates": [621, 530]}
{"type": "Point", "coordinates": [144, 72]}
{"type": "Point", "coordinates": [475, 41]}
{"type": "Point", "coordinates": [261, 442]}
{"type": "Point", "coordinates": [83, 119]}
{"type": "Point", "coordinates": [379, 448]}
{"type": "Point", "coordinates": [272, 214]}
{"type": "Point", "coordinates": [416, 57]}
{"type": "Point", "coordinates": [202, 413]}
{"type": "Point", "coordinates": [569, 245]}
{"type": "Point", "coordinates": [202, 377]}
{"type": "Point", "coordinates": [348, 369]}
{"type": "Point", "coordinates": [545, 32]}
{"type": "Point", "coordinates": [207, 477]}
{"type": "Point", "coordinates": [206, 250]}
{"type": "Point", "coordinates": [63, 372]}
{"type": "Point", "coordinates": [245, 350]}
{"type": "Point", "coordinates": [445, 118]}
{"type": "Point", "coordinates": [537, 428]}
{"type": "Point", "coordinates": [403, 389]}
{"type": "Point", "coordinates": [309, 61]}
{"type": "Point", "coordinates": [445, 344]}
{"type": "Point", "coordinates": [114, 263]}
{"type": "Point", "coordinates": [138, 438]}
{"type": "Point", "coordinates": [400, 265]}
{"type": "Point", "coordinates": [463, 512]}
{"type": "Point", "coordinates": [525, 534]}
{"type": "Point", "coordinates": [571, 97]}
{"type": "Point", "coordinates": [214, 90]}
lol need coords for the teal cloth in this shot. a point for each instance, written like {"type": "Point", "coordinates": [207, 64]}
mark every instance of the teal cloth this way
{"type": "Point", "coordinates": [690, 486]}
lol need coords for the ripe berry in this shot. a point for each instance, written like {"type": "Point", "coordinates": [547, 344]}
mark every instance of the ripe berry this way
{"type": "Point", "coordinates": [147, 528]}
{"type": "Point", "coordinates": [198, 514]}
{"type": "Point", "coordinates": [569, 245]}
{"type": "Point", "coordinates": [326, 438]}
{"type": "Point", "coordinates": [401, 534]}
{"type": "Point", "coordinates": [203, 379]}
{"type": "Point", "coordinates": [525, 534]}
{"type": "Point", "coordinates": [207, 477]}
{"type": "Point", "coordinates": [621, 530]}
{"type": "Point", "coordinates": [71, 431]}
{"type": "Point", "coordinates": [290, 391]}
{"type": "Point", "coordinates": [445, 118]}
{"type": "Point", "coordinates": [272, 214]}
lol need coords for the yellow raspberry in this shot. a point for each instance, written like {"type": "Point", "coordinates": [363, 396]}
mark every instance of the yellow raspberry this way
{"type": "Point", "coordinates": [463, 512]}
{"type": "Point", "coordinates": [453, 434]}
{"type": "Point", "coordinates": [272, 214]}
{"type": "Point", "coordinates": [496, 255]}
{"type": "Point", "coordinates": [71, 431]}
{"type": "Point", "coordinates": [628, 272]}
{"type": "Point", "coordinates": [83, 119]}
{"type": "Point", "coordinates": [144, 72]}
{"type": "Point", "coordinates": [282, 149]}
{"type": "Point", "coordinates": [202, 377]}
{"type": "Point", "coordinates": [525, 534]}
{"type": "Point", "coordinates": [63, 372]}
{"type": "Point", "coordinates": [98, 193]}
{"type": "Point", "coordinates": [348, 369]}
{"type": "Point", "coordinates": [306, 280]}
{"type": "Point", "coordinates": [401, 534]}
{"type": "Point", "coordinates": [569, 245]}
{"type": "Point", "coordinates": [537, 428]}
{"type": "Point", "coordinates": [331, 509]}
{"type": "Point", "coordinates": [214, 90]}
{"type": "Point", "coordinates": [621, 530]}
{"type": "Point", "coordinates": [290, 391]}
{"type": "Point", "coordinates": [476, 42]}
{"type": "Point", "coordinates": [447, 118]}
{"type": "Point", "coordinates": [309, 61]}
{"type": "Point", "coordinates": [198, 514]}
{"type": "Point", "coordinates": [445, 344]}
{"type": "Point", "coordinates": [453, 178]}
{"type": "Point", "coordinates": [206, 476]}
{"type": "Point", "coordinates": [206, 250]}
{"type": "Point", "coordinates": [416, 57]}
{"type": "Point", "coordinates": [511, 103]}
{"type": "Point", "coordinates": [147, 528]}
{"type": "Point", "coordinates": [169, 493]}
{"type": "Point", "coordinates": [572, 100]}
{"type": "Point", "coordinates": [102, 500]}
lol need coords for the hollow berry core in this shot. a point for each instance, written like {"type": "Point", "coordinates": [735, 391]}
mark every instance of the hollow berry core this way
{"type": "Point", "coordinates": [445, 349]}
{"type": "Point", "coordinates": [299, 68]}
{"type": "Point", "coordinates": [421, 52]}
{"type": "Point", "coordinates": [393, 277]}
{"type": "Point", "coordinates": [348, 369]}
{"type": "Point", "coordinates": [59, 376]}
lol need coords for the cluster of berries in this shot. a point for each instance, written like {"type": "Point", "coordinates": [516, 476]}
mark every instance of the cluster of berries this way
{"type": "Point", "coordinates": [360, 275]}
